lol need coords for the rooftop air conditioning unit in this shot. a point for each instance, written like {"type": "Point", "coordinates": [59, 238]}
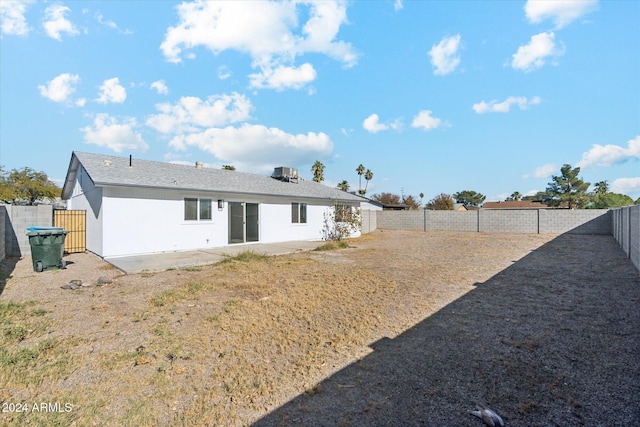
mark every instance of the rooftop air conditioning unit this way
{"type": "Point", "coordinates": [286, 174]}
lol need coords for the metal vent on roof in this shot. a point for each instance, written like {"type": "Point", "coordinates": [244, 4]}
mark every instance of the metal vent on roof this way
{"type": "Point", "coordinates": [285, 174]}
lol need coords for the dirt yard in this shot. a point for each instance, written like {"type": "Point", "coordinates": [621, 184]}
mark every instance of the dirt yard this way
{"type": "Point", "coordinates": [404, 328]}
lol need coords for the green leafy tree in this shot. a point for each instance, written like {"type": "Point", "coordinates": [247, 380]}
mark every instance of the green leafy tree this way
{"type": "Point", "coordinates": [602, 188]}
{"type": "Point", "coordinates": [228, 167]}
{"type": "Point", "coordinates": [469, 198]}
{"type": "Point", "coordinates": [387, 198]}
{"type": "Point", "coordinates": [318, 171]}
{"type": "Point", "coordinates": [637, 202]}
{"type": "Point", "coordinates": [609, 200]}
{"type": "Point", "coordinates": [442, 202]}
{"type": "Point", "coordinates": [568, 189]}
{"type": "Point", "coordinates": [344, 185]}
{"type": "Point", "coordinates": [26, 186]}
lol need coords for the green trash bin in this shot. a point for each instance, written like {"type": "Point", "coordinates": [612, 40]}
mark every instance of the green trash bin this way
{"type": "Point", "coordinates": [47, 247]}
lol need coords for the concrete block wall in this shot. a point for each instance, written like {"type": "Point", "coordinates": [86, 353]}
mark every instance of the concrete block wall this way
{"type": "Point", "coordinates": [447, 220]}
{"type": "Point", "coordinates": [579, 221]}
{"type": "Point", "coordinates": [554, 221]}
{"type": "Point", "coordinates": [508, 221]}
{"type": "Point", "coordinates": [626, 231]}
{"type": "Point", "coordinates": [17, 219]}
{"type": "Point", "coordinates": [401, 220]}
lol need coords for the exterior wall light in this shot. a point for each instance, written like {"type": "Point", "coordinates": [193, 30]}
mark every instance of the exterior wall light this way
{"type": "Point", "coordinates": [220, 204]}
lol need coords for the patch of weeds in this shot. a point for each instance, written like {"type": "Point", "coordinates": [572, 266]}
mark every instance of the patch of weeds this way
{"type": "Point", "coordinates": [230, 305]}
{"type": "Point", "coordinates": [333, 245]}
{"type": "Point", "coordinates": [192, 269]}
{"type": "Point", "coordinates": [214, 318]}
{"type": "Point", "coordinates": [177, 294]}
{"type": "Point", "coordinates": [245, 256]}
{"type": "Point", "coordinates": [31, 366]}
{"type": "Point", "coordinates": [141, 412]}
{"type": "Point", "coordinates": [18, 323]}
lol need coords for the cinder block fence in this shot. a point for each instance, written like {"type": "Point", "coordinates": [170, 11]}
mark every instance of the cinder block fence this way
{"type": "Point", "coordinates": [556, 221]}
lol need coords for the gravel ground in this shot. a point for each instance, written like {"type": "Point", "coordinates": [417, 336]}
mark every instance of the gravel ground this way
{"type": "Point", "coordinates": [407, 328]}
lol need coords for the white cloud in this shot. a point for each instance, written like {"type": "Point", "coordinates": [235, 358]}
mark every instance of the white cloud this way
{"type": "Point", "coordinates": [257, 145]}
{"type": "Point", "coordinates": [503, 107]}
{"type": "Point", "coordinates": [59, 88]}
{"type": "Point", "coordinates": [223, 72]}
{"type": "Point", "coordinates": [283, 77]}
{"type": "Point", "coordinates": [107, 23]}
{"type": "Point", "coordinates": [425, 121]}
{"type": "Point", "coordinates": [561, 12]}
{"type": "Point", "coordinates": [160, 86]}
{"type": "Point", "coordinates": [267, 31]}
{"type": "Point", "coordinates": [397, 5]}
{"type": "Point", "coordinates": [609, 155]}
{"type": "Point", "coordinates": [192, 114]}
{"type": "Point", "coordinates": [12, 20]}
{"type": "Point", "coordinates": [112, 91]}
{"type": "Point", "coordinates": [55, 22]}
{"type": "Point", "coordinates": [107, 132]}
{"type": "Point", "coordinates": [543, 171]}
{"type": "Point", "coordinates": [626, 185]}
{"type": "Point", "coordinates": [534, 55]}
{"type": "Point", "coordinates": [372, 124]}
{"type": "Point", "coordinates": [444, 56]}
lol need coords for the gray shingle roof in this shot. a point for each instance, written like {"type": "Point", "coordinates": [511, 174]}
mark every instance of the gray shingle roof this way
{"type": "Point", "coordinates": [115, 171]}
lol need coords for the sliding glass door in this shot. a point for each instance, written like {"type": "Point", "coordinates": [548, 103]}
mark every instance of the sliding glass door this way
{"type": "Point", "coordinates": [243, 222]}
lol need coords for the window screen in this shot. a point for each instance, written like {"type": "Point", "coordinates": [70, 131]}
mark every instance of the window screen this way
{"type": "Point", "coordinates": [205, 209]}
{"type": "Point", "coordinates": [190, 209]}
{"type": "Point", "coordinates": [303, 213]}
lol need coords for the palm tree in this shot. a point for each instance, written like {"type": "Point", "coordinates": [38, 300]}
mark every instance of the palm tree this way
{"type": "Point", "coordinates": [318, 171]}
{"type": "Point", "coordinates": [360, 171]}
{"type": "Point", "coordinates": [368, 176]}
{"type": "Point", "coordinates": [516, 196]}
{"type": "Point", "coordinates": [344, 185]}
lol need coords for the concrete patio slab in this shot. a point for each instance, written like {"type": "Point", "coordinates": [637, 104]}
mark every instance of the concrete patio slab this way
{"type": "Point", "coordinates": [159, 262]}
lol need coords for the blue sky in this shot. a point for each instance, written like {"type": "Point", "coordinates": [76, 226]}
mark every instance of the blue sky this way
{"type": "Point", "coordinates": [432, 96]}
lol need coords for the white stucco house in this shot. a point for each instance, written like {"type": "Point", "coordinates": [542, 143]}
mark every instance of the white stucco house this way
{"type": "Point", "coordinates": [137, 206]}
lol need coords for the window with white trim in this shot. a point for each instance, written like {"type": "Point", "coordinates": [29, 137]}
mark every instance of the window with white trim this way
{"type": "Point", "coordinates": [197, 209]}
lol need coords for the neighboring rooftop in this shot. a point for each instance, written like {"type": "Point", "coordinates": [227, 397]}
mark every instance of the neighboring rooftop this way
{"type": "Point", "coordinates": [105, 170]}
{"type": "Point", "coordinates": [515, 204]}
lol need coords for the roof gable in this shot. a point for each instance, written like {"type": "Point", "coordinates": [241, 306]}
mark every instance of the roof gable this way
{"type": "Point", "coordinates": [107, 170]}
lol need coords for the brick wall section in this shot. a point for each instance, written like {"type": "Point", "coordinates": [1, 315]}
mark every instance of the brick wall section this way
{"type": "Point", "coordinates": [18, 218]}
{"type": "Point", "coordinates": [554, 221]}
{"type": "Point", "coordinates": [626, 230]}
